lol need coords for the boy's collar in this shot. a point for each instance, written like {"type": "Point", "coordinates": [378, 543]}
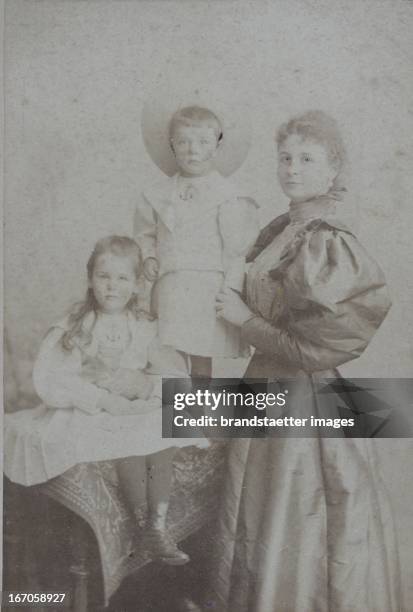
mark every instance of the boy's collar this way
{"type": "Point", "coordinates": [162, 195]}
{"type": "Point", "coordinates": [220, 188]}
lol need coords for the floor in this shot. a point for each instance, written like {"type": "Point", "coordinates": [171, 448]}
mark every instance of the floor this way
{"type": "Point", "coordinates": [38, 555]}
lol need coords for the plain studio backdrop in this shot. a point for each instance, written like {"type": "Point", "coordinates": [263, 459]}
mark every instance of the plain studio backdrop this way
{"type": "Point", "coordinates": [77, 74]}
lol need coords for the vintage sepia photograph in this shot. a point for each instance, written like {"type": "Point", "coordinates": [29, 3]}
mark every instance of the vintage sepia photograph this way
{"type": "Point", "coordinates": [201, 196]}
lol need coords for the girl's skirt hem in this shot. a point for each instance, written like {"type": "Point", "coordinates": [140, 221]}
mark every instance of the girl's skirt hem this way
{"type": "Point", "coordinates": [42, 443]}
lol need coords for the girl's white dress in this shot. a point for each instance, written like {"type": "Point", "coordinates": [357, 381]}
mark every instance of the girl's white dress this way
{"type": "Point", "coordinates": [199, 231]}
{"type": "Point", "coordinates": [69, 428]}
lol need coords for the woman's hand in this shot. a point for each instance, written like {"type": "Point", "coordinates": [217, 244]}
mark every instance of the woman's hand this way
{"type": "Point", "coordinates": [151, 268]}
{"type": "Point", "coordinates": [232, 308]}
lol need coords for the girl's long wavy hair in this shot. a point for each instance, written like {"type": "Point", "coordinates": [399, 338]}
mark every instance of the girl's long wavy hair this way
{"type": "Point", "coordinates": [122, 246]}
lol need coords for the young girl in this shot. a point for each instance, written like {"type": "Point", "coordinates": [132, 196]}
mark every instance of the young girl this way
{"type": "Point", "coordinates": [99, 402]}
{"type": "Point", "coordinates": [194, 232]}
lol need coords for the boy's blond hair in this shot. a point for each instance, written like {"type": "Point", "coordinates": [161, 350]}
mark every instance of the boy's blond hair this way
{"type": "Point", "coordinates": [193, 116]}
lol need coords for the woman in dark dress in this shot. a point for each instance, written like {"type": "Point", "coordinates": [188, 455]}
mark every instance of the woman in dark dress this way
{"type": "Point", "coordinates": [305, 524]}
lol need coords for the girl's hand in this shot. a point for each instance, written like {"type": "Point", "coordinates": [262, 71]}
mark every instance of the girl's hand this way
{"type": "Point", "coordinates": [120, 406]}
{"type": "Point", "coordinates": [131, 384]}
{"type": "Point", "coordinates": [115, 404]}
{"type": "Point", "coordinates": [232, 308]}
{"type": "Point", "coordinates": [149, 405]}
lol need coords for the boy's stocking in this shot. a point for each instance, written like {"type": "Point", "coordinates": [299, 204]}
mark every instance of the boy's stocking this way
{"type": "Point", "coordinates": [159, 468]}
{"type": "Point", "coordinates": [132, 479]}
{"type": "Point", "coordinates": [159, 481]}
{"type": "Point", "coordinates": [201, 367]}
{"type": "Point", "coordinates": [201, 374]}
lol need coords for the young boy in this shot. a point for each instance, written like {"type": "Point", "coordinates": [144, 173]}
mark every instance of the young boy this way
{"type": "Point", "coordinates": [194, 232]}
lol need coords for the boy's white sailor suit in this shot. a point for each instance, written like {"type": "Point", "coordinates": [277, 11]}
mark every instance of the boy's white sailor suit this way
{"type": "Point", "coordinates": [199, 230]}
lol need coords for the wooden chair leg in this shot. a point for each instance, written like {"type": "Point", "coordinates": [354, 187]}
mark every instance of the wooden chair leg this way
{"type": "Point", "coordinates": [79, 569]}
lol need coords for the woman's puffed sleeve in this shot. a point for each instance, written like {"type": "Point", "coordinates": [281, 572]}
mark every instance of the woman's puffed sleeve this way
{"type": "Point", "coordinates": [335, 296]}
{"type": "Point", "coordinates": [145, 228]}
{"type": "Point", "coordinates": [57, 377]}
{"type": "Point", "coordinates": [239, 227]}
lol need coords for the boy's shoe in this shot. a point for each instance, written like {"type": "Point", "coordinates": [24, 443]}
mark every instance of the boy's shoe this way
{"type": "Point", "coordinates": [162, 547]}
{"type": "Point", "coordinates": [188, 605]}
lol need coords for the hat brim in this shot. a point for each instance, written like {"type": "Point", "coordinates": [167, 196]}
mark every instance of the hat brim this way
{"type": "Point", "coordinates": [165, 101]}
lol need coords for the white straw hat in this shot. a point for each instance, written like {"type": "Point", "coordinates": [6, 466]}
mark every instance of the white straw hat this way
{"type": "Point", "coordinates": [167, 99]}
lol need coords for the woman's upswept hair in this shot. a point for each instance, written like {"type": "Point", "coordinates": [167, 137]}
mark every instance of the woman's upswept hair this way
{"type": "Point", "coordinates": [319, 127]}
{"type": "Point", "coordinates": [123, 246]}
{"type": "Point", "coordinates": [193, 116]}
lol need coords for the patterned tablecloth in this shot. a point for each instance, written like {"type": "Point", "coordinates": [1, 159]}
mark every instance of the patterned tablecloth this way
{"type": "Point", "coordinates": [91, 491]}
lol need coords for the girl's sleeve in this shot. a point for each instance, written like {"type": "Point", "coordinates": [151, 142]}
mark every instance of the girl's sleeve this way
{"type": "Point", "coordinates": [336, 299]}
{"type": "Point", "coordinates": [57, 377]}
{"type": "Point", "coordinates": [239, 228]}
{"type": "Point", "coordinates": [164, 362]}
{"type": "Point", "coordinates": [145, 228]}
